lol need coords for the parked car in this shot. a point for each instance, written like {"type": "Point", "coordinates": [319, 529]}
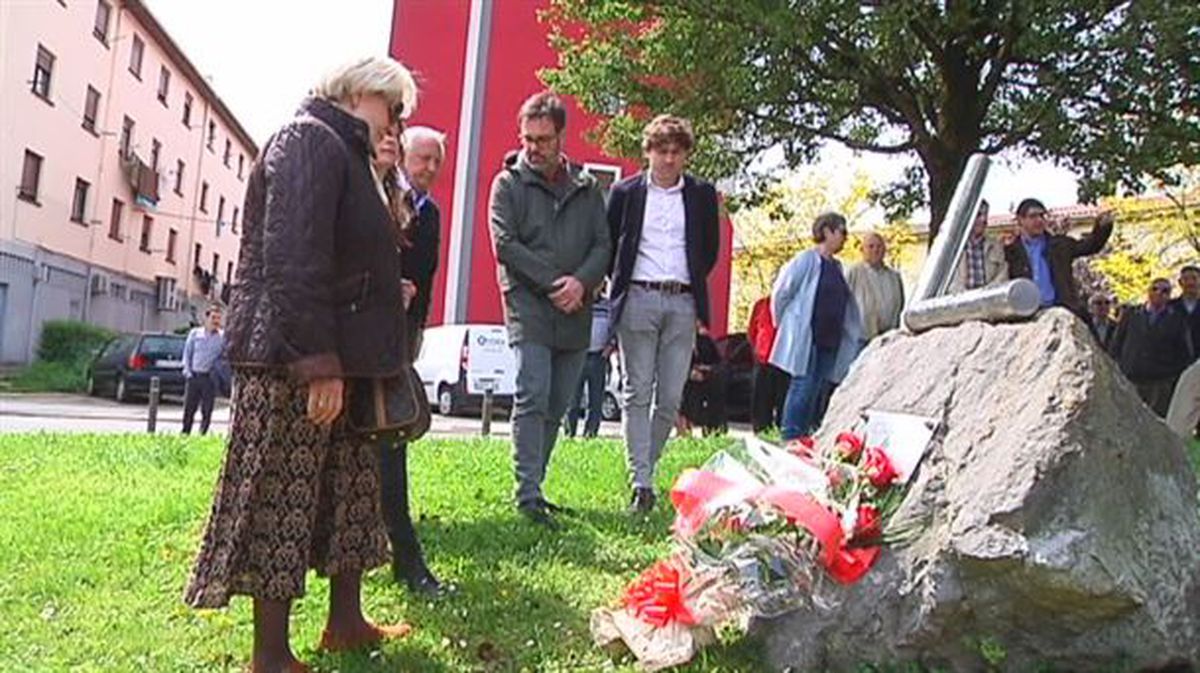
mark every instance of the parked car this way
{"type": "Point", "coordinates": [738, 360]}
{"type": "Point", "coordinates": [457, 361]}
{"type": "Point", "coordinates": [124, 367]}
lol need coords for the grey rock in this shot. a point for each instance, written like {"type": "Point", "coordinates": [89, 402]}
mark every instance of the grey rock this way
{"type": "Point", "coordinates": [1058, 519]}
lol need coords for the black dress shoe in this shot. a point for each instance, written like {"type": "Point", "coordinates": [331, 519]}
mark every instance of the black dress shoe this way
{"type": "Point", "coordinates": [553, 508]}
{"type": "Point", "coordinates": [642, 501]}
{"type": "Point", "coordinates": [537, 513]}
{"type": "Point", "coordinates": [424, 585]}
{"type": "Point", "coordinates": [413, 572]}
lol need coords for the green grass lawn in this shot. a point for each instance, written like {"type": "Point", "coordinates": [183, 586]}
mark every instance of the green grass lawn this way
{"type": "Point", "coordinates": [98, 533]}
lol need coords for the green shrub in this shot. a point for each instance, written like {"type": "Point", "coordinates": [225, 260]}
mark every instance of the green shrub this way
{"type": "Point", "coordinates": [48, 377]}
{"type": "Point", "coordinates": [71, 342]}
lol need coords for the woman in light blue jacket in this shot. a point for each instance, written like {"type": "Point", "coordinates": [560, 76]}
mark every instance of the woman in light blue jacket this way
{"type": "Point", "coordinates": [820, 328]}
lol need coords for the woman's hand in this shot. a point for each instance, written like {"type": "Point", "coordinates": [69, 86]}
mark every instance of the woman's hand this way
{"type": "Point", "coordinates": [325, 398]}
{"type": "Point", "coordinates": [408, 290]}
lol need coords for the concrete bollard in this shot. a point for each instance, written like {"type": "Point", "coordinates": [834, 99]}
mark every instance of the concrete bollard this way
{"type": "Point", "coordinates": [155, 396]}
{"type": "Point", "coordinates": [486, 428]}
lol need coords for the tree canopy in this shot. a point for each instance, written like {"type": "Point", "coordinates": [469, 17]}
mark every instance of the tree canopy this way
{"type": "Point", "coordinates": [1108, 88]}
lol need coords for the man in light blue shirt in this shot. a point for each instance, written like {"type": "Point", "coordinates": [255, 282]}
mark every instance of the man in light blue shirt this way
{"type": "Point", "coordinates": [201, 354]}
{"type": "Point", "coordinates": [1035, 250]}
{"type": "Point", "coordinates": [1046, 258]}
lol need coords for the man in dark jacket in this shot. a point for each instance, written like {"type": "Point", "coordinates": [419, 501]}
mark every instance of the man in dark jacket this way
{"type": "Point", "coordinates": [665, 234]}
{"type": "Point", "coordinates": [1151, 346]}
{"type": "Point", "coordinates": [1099, 320]}
{"type": "Point", "coordinates": [552, 245]}
{"type": "Point", "coordinates": [423, 151]}
{"type": "Point", "coordinates": [1046, 258]}
{"type": "Point", "coordinates": [1187, 304]}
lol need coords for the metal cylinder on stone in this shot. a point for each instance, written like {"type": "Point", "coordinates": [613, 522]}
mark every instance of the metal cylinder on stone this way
{"type": "Point", "coordinates": [1013, 300]}
{"type": "Point", "coordinates": [938, 269]}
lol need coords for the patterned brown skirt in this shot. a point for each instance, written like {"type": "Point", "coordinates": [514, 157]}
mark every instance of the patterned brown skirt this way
{"type": "Point", "coordinates": [291, 496]}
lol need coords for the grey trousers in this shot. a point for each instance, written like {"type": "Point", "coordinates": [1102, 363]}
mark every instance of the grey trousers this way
{"type": "Point", "coordinates": [656, 333]}
{"type": "Point", "coordinates": [546, 383]}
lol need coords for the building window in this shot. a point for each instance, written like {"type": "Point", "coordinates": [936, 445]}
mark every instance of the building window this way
{"type": "Point", "coordinates": [164, 84]}
{"type": "Point", "coordinates": [187, 110]}
{"type": "Point", "coordinates": [204, 197]}
{"type": "Point", "coordinates": [241, 164]}
{"type": "Point", "coordinates": [228, 152]}
{"type": "Point", "coordinates": [43, 70]}
{"type": "Point", "coordinates": [127, 128]}
{"type": "Point", "coordinates": [196, 257]}
{"type": "Point", "coordinates": [179, 177]}
{"type": "Point", "coordinates": [79, 203]}
{"type": "Point", "coordinates": [172, 239]}
{"type": "Point", "coordinates": [31, 177]}
{"type": "Point", "coordinates": [103, 13]}
{"type": "Point", "coordinates": [147, 228]}
{"type": "Point", "coordinates": [155, 150]}
{"type": "Point", "coordinates": [216, 265]}
{"type": "Point", "coordinates": [114, 222]}
{"type": "Point", "coordinates": [220, 214]}
{"type": "Point", "coordinates": [136, 50]}
{"type": "Point", "coordinates": [212, 134]}
{"type": "Point", "coordinates": [233, 222]}
{"type": "Point", "coordinates": [228, 273]}
{"type": "Point", "coordinates": [91, 107]}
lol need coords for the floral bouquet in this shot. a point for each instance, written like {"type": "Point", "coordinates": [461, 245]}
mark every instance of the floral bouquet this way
{"type": "Point", "coordinates": [759, 530]}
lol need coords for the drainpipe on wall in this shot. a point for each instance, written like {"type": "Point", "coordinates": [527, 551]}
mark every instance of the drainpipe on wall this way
{"type": "Point", "coordinates": [105, 134]}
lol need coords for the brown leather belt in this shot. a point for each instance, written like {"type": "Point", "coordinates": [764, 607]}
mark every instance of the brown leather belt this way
{"type": "Point", "coordinates": [664, 286]}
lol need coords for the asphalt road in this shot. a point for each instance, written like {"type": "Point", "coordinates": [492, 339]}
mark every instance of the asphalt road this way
{"type": "Point", "coordinates": [79, 413]}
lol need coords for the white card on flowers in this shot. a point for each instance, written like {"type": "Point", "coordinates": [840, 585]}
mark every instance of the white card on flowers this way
{"type": "Point", "coordinates": [903, 437]}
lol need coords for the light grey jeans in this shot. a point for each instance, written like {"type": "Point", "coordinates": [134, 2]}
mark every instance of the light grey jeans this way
{"type": "Point", "coordinates": [546, 383]}
{"type": "Point", "coordinates": [656, 332]}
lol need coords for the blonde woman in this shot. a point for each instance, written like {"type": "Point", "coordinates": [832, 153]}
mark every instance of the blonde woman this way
{"type": "Point", "coordinates": [319, 283]}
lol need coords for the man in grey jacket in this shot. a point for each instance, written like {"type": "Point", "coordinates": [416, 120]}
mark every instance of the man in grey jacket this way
{"type": "Point", "coordinates": [552, 245]}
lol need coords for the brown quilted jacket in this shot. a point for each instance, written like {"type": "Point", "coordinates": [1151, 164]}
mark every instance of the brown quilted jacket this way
{"type": "Point", "coordinates": [318, 288]}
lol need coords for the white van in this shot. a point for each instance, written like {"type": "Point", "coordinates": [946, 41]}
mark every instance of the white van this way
{"type": "Point", "coordinates": [458, 362]}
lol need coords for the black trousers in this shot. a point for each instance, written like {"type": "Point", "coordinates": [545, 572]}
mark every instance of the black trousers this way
{"type": "Point", "coordinates": [769, 390]}
{"type": "Point", "coordinates": [200, 391]}
{"type": "Point", "coordinates": [393, 473]}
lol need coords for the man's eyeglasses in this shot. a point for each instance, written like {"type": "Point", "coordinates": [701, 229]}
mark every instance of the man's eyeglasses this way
{"type": "Point", "coordinates": [1035, 215]}
{"type": "Point", "coordinates": [1161, 289]}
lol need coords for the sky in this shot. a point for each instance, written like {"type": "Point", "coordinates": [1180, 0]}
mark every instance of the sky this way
{"type": "Point", "coordinates": [262, 56]}
{"type": "Point", "coordinates": [261, 61]}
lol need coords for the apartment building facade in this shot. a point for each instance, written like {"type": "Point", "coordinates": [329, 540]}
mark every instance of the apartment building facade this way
{"type": "Point", "coordinates": [126, 174]}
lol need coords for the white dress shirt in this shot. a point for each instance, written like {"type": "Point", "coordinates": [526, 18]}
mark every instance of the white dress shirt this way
{"type": "Point", "coordinates": [662, 255]}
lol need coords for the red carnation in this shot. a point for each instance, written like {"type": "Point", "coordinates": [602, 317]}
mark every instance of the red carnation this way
{"type": "Point", "coordinates": [869, 526]}
{"type": "Point", "coordinates": [849, 445]}
{"type": "Point", "coordinates": [878, 468]}
{"type": "Point", "coordinates": [802, 447]}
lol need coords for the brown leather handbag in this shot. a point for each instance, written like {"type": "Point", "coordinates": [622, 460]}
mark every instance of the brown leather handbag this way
{"type": "Point", "coordinates": [392, 409]}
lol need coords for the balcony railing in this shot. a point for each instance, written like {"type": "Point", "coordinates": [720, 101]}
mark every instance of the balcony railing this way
{"type": "Point", "coordinates": [142, 179]}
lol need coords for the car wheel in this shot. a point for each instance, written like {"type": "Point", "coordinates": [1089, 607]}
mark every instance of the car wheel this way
{"type": "Point", "coordinates": [610, 409]}
{"type": "Point", "coordinates": [446, 403]}
{"type": "Point", "coordinates": [122, 392]}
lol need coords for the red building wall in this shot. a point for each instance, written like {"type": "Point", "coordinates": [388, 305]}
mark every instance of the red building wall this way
{"type": "Point", "coordinates": [432, 38]}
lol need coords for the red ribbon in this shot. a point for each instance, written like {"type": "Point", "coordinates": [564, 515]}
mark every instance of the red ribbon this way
{"type": "Point", "coordinates": [696, 489]}
{"type": "Point", "coordinates": [657, 595]}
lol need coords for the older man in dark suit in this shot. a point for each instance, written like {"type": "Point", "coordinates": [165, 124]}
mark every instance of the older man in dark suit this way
{"type": "Point", "coordinates": [665, 232]}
